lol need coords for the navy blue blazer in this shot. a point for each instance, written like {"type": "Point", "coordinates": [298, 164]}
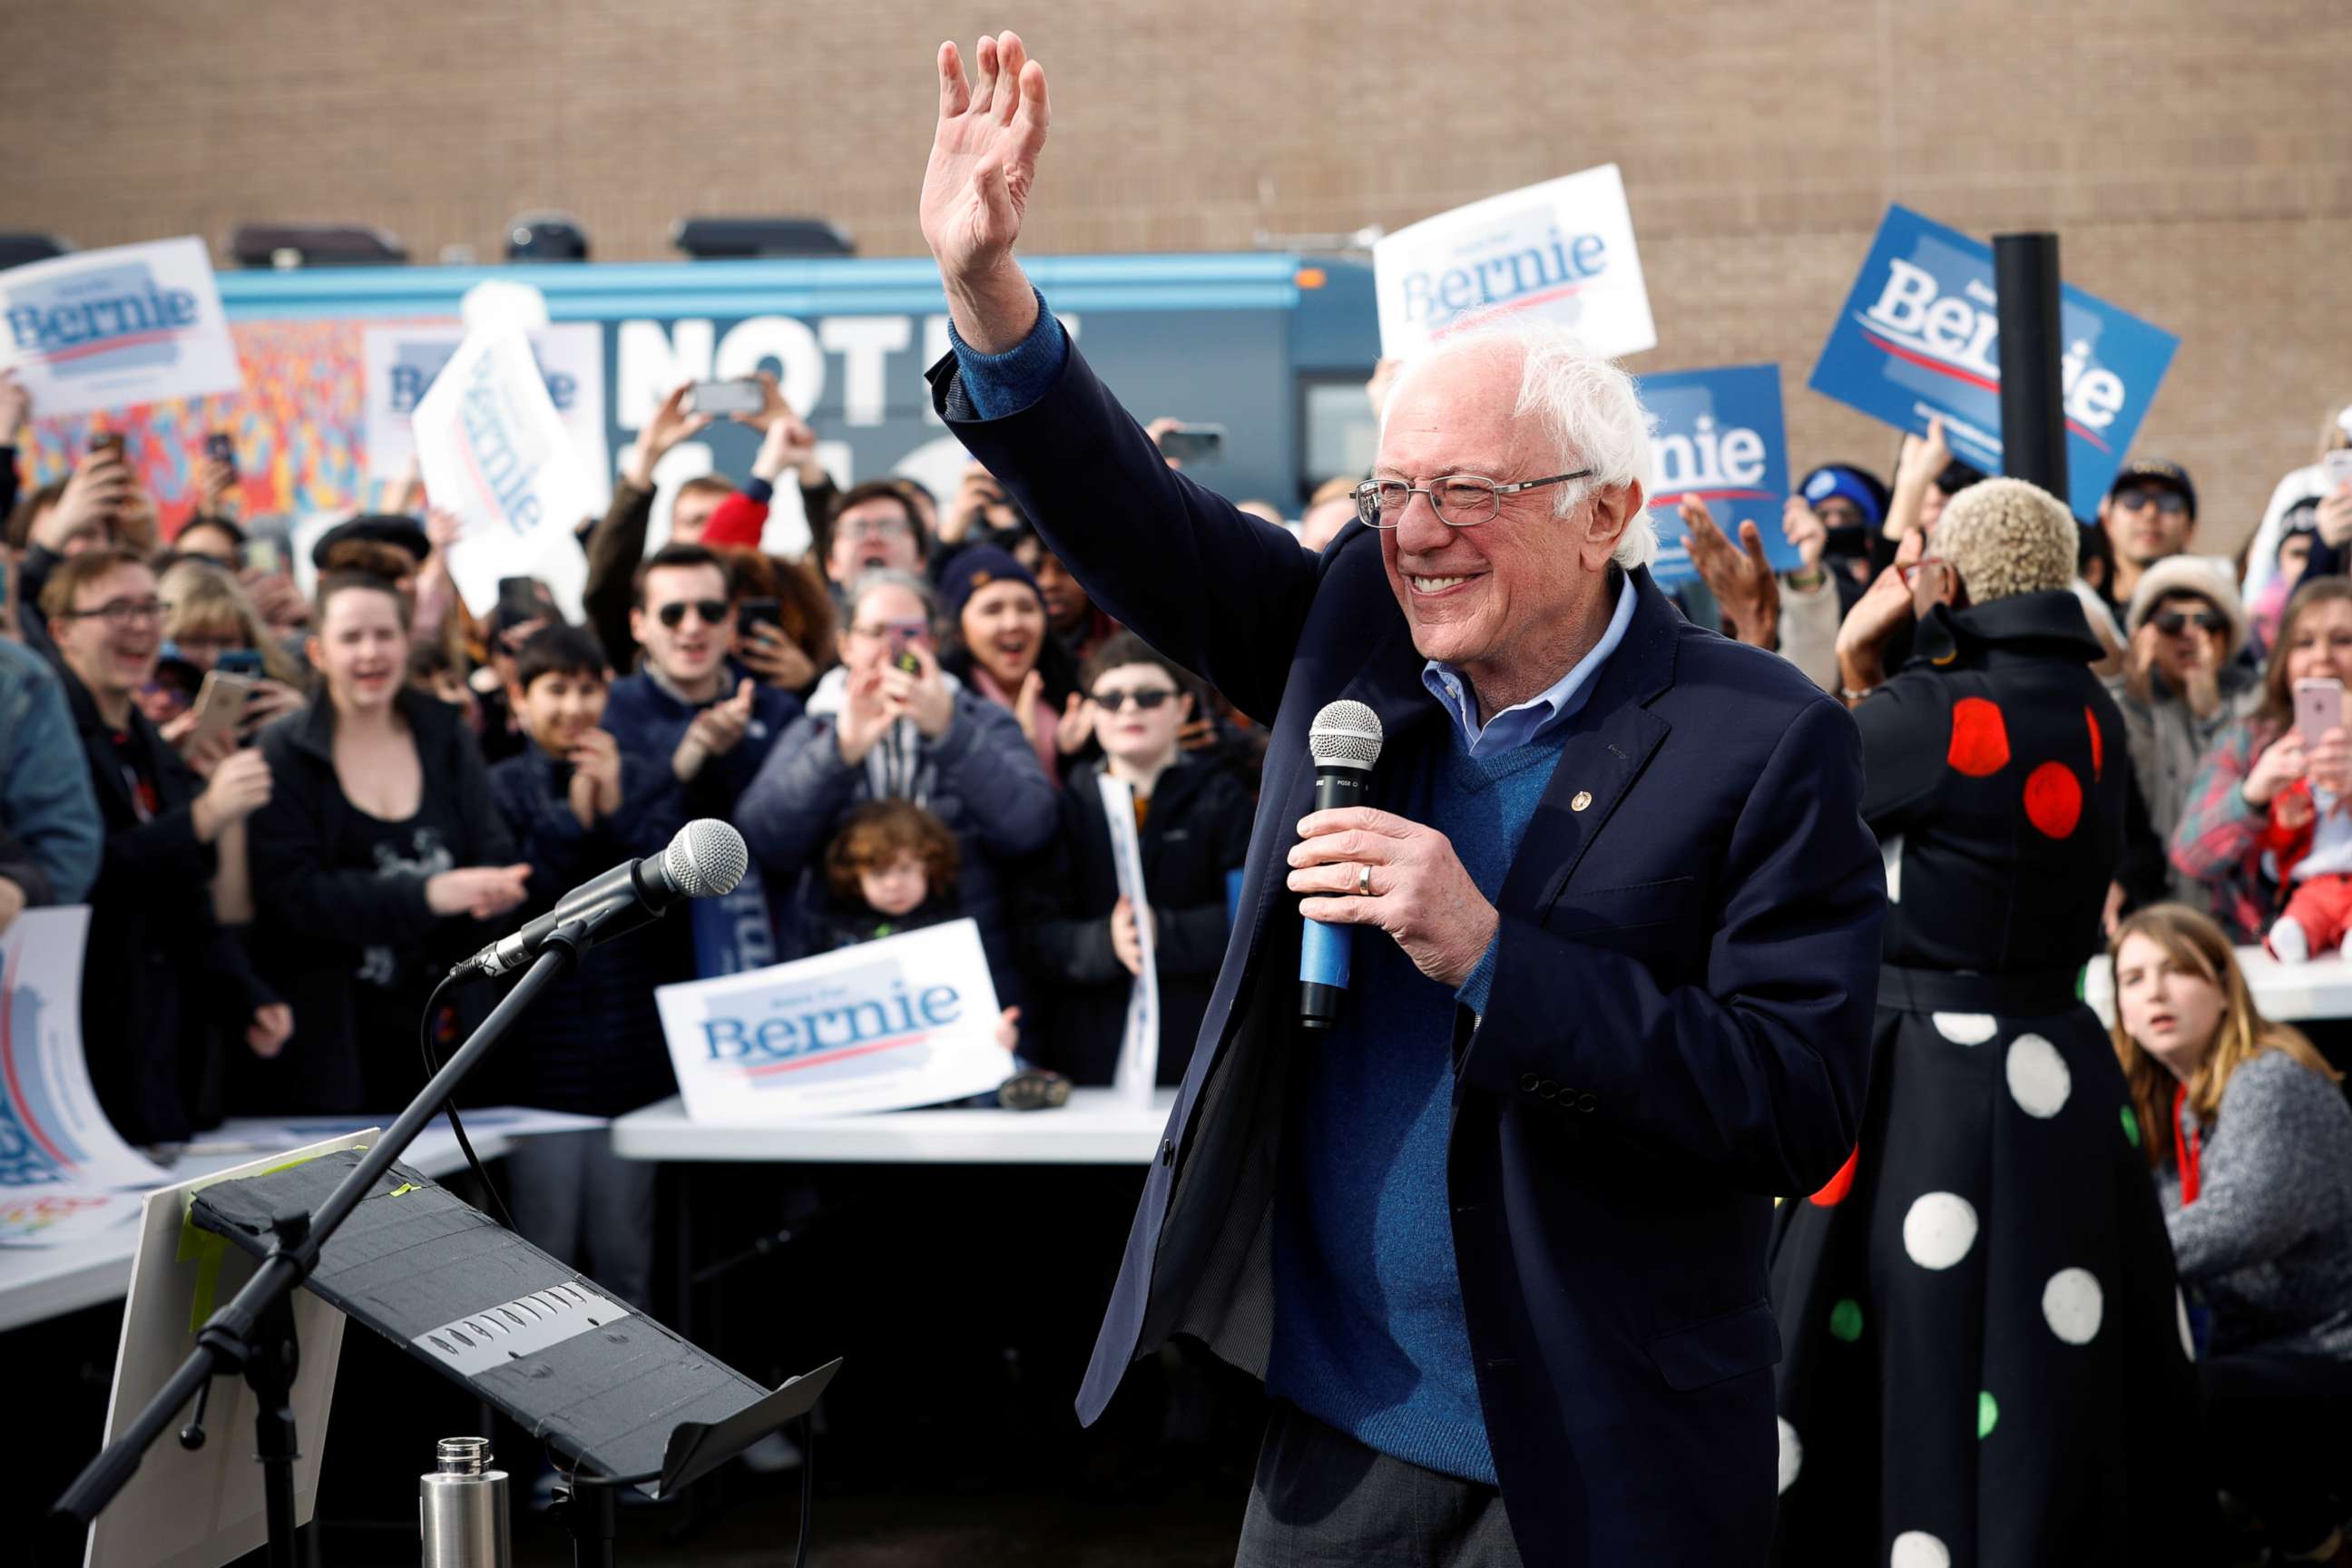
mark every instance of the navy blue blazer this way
{"type": "Point", "coordinates": [1679, 1028]}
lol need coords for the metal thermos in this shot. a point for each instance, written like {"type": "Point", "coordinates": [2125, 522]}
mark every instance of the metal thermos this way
{"type": "Point", "coordinates": [462, 1506]}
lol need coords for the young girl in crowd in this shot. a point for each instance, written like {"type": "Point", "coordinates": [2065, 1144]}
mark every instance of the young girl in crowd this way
{"type": "Point", "coordinates": [378, 861]}
{"type": "Point", "coordinates": [891, 870]}
{"type": "Point", "coordinates": [2220, 839]}
{"type": "Point", "coordinates": [2251, 1142]}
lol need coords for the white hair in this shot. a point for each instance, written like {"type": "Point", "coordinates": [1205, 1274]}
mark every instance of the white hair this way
{"type": "Point", "coordinates": [1588, 407]}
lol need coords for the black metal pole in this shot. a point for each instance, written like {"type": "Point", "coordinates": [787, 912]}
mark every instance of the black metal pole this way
{"type": "Point", "coordinates": [2032, 345]}
{"type": "Point", "coordinates": [230, 1337]}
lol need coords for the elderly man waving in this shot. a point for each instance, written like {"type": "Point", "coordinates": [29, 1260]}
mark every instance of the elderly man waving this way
{"type": "Point", "coordinates": [1496, 1242]}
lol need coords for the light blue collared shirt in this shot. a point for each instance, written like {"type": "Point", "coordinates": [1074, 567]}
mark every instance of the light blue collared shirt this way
{"type": "Point", "coordinates": [1548, 709]}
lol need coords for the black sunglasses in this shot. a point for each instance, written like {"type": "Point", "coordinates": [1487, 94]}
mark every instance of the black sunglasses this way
{"type": "Point", "coordinates": [2171, 503]}
{"type": "Point", "coordinates": [2171, 623]}
{"type": "Point", "coordinates": [714, 611]}
{"type": "Point", "coordinates": [1112, 702]}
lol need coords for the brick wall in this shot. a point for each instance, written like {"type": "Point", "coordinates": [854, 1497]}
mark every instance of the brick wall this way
{"type": "Point", "coordinates": [2195, 156]}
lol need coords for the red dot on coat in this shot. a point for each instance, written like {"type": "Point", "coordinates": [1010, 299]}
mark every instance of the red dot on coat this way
{"type": "Point", "coordinates": [1835, 1189]}
{"type": "Point", "coordinates": [1979, 738]}
{"type": "Point", "coordinates": [2053, 799]}
{"type": "Point", "coordinates": [2098, 747]}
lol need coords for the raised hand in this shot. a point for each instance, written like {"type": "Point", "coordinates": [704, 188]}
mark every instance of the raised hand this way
{"type": "Point", "coordinates": [1801, 526]}
{"type": "Point", "coordinates": [976, 187]}
{"type": "Point", "coordinates": [1078, 725]}
{"type": "Point", "coordinates": [671, 424]}
{"type": "Point", "coordinates": [864, 716]}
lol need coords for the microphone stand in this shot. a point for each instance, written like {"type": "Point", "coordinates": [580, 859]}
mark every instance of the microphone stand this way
{"type": "Point", "coordinates": [253, 1333]}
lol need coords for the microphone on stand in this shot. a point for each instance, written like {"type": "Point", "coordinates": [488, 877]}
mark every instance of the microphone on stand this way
{"type": "Point", "coordinates": [1345, 741]}
{"type": "Point", "coordinates": [706, 859]}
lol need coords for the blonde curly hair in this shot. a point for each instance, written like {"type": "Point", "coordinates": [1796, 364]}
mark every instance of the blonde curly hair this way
{"type": "Point", "coordinates": [2007, 537]}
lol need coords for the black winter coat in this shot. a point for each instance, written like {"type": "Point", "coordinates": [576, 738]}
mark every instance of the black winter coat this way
{"type": "Point", "coordinates": [1195, 835]}
{"type": "Point", "coordinates": [165, 988]}
{"type": "Point", "coordinates": [315, 918]}
{"type": "Point", "coordinates": [1998, 779]}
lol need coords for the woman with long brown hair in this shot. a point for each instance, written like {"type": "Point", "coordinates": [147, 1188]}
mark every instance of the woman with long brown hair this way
{"type": "Point", "coordinates": [2219, 839]}
{"type": "Point", "coordinates": [2250, 1143]}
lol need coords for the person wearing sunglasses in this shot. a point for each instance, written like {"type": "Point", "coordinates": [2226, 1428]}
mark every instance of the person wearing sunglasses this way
{"type": "Point", "coordinates": [2149, 514]}
{"type": "Point", "coordinates": [690, 705]}
{"type": "Point", "coordinates": [2183, 683]}
{"type": "Point", "coordinates": [166, 989]}
{"type": "Point", "coordinates": [1613, 917]}
{"type": "Point", "coordinates": [1079, 941]}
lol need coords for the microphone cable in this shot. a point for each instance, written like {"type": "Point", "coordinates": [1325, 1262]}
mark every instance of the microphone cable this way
{"type": "Point", "coordinates": [449, 1106]}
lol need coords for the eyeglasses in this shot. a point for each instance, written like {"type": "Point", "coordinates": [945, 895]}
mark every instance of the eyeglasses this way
{"type": "Point", "coordinates": [714, 611]}
{"type": "Point", "coordinates": [877, 528]}
{"type": "Point", "coordinates": [1460, 501]}
{"type": "Point", "coordinates": [2171, 503]}
{"type": "Point", "coordinates": [2173, 623]}
{"type": "Point", "coordinates": [893, 631]}
{"type": "Point", "coordinates": [1112, 702]}
{"type": "Point", "coordinates": [121, 613]}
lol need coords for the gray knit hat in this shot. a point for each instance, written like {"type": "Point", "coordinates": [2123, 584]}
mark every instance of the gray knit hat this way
{"type": "Point", "coordinates": [2006, 537]}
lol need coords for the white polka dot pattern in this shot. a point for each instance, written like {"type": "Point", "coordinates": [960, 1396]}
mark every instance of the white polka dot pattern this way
{"type": "Point", "coordinates": [1966, 1028]}
{"type": "Point", "coordinates": [1938, 1229]}
{"type": "Point", "coordinates": [1917, 1549]}
{"type": "Point", "coordinates": [2038, 1079]}
{"type": "Point", "coordinates": [2071, 1303]}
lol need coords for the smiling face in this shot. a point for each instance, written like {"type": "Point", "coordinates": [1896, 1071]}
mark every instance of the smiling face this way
{"type": "Point", "coordinates": [686, 625]}
{"type": "Point", "coordinates": [2318, 646]}
{"type": "Point", "coordinates": [560, 707]}
{"type": "Point", "coordinates": [1003, 625]}
{"type": "Point", "coordinates": [1143, 737]}
{"type": "Point", "coordinates": [113, 655]}
{"type": "Point", "coordinates": [362, 648]}
{"type": "Point", "coordinates": [2169, 1006]}
{"type": "Point", "coordinates": [1507, 600]}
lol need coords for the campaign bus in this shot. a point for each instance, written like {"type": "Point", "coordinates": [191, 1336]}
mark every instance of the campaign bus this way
{"type": "Point", "coordinates": [1272, 347]}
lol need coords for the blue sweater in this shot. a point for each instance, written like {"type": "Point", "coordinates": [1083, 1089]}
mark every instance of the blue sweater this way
{"type": "Point", "coordinates": [1368, 1333]}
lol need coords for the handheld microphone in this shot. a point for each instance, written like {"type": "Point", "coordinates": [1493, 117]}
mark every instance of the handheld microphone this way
{"type": "Point", "coordinates": [706, 858]}
{"type": "Point", "coordinates": [1345, 741]}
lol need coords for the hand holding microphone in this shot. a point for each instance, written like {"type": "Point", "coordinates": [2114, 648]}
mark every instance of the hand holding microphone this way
{"type": "Point", "coordinates": [1364, 867]}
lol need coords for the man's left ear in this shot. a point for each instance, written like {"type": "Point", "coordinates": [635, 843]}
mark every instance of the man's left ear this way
{"type": "Point", "coordinates": [1613, 512]}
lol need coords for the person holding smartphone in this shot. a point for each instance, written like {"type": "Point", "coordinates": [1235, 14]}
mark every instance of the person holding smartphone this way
{"type": "Point", "coordinates": [889, 723]}
{"type": "Point", "coordinates": [166, 992]}
{"type": "Point", "coordinates": [2221, 840]}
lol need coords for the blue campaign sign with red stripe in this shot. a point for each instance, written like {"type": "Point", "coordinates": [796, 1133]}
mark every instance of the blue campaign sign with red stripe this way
{"type": "Point", "coordinates": [1920, 333]}
{"type": "Point", "coordinates": [1719, 438]}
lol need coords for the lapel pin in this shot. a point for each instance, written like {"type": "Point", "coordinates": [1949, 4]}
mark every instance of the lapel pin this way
{"type": "Point", "coordinates": [1583, 798]}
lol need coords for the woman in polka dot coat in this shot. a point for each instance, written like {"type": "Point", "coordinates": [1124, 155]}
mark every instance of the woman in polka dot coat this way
{"type": "Point", "coordinates": [1983, 1364]}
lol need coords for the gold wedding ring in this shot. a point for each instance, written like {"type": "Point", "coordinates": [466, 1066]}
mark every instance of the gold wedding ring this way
{"type": "Point", "coordinates": [1364, 881]}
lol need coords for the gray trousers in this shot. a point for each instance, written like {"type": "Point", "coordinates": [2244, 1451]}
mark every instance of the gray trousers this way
{"type": "Point", "coordinates": [577, 1201]}
{"type": "Point", "coordinates": [1321, 1499]}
